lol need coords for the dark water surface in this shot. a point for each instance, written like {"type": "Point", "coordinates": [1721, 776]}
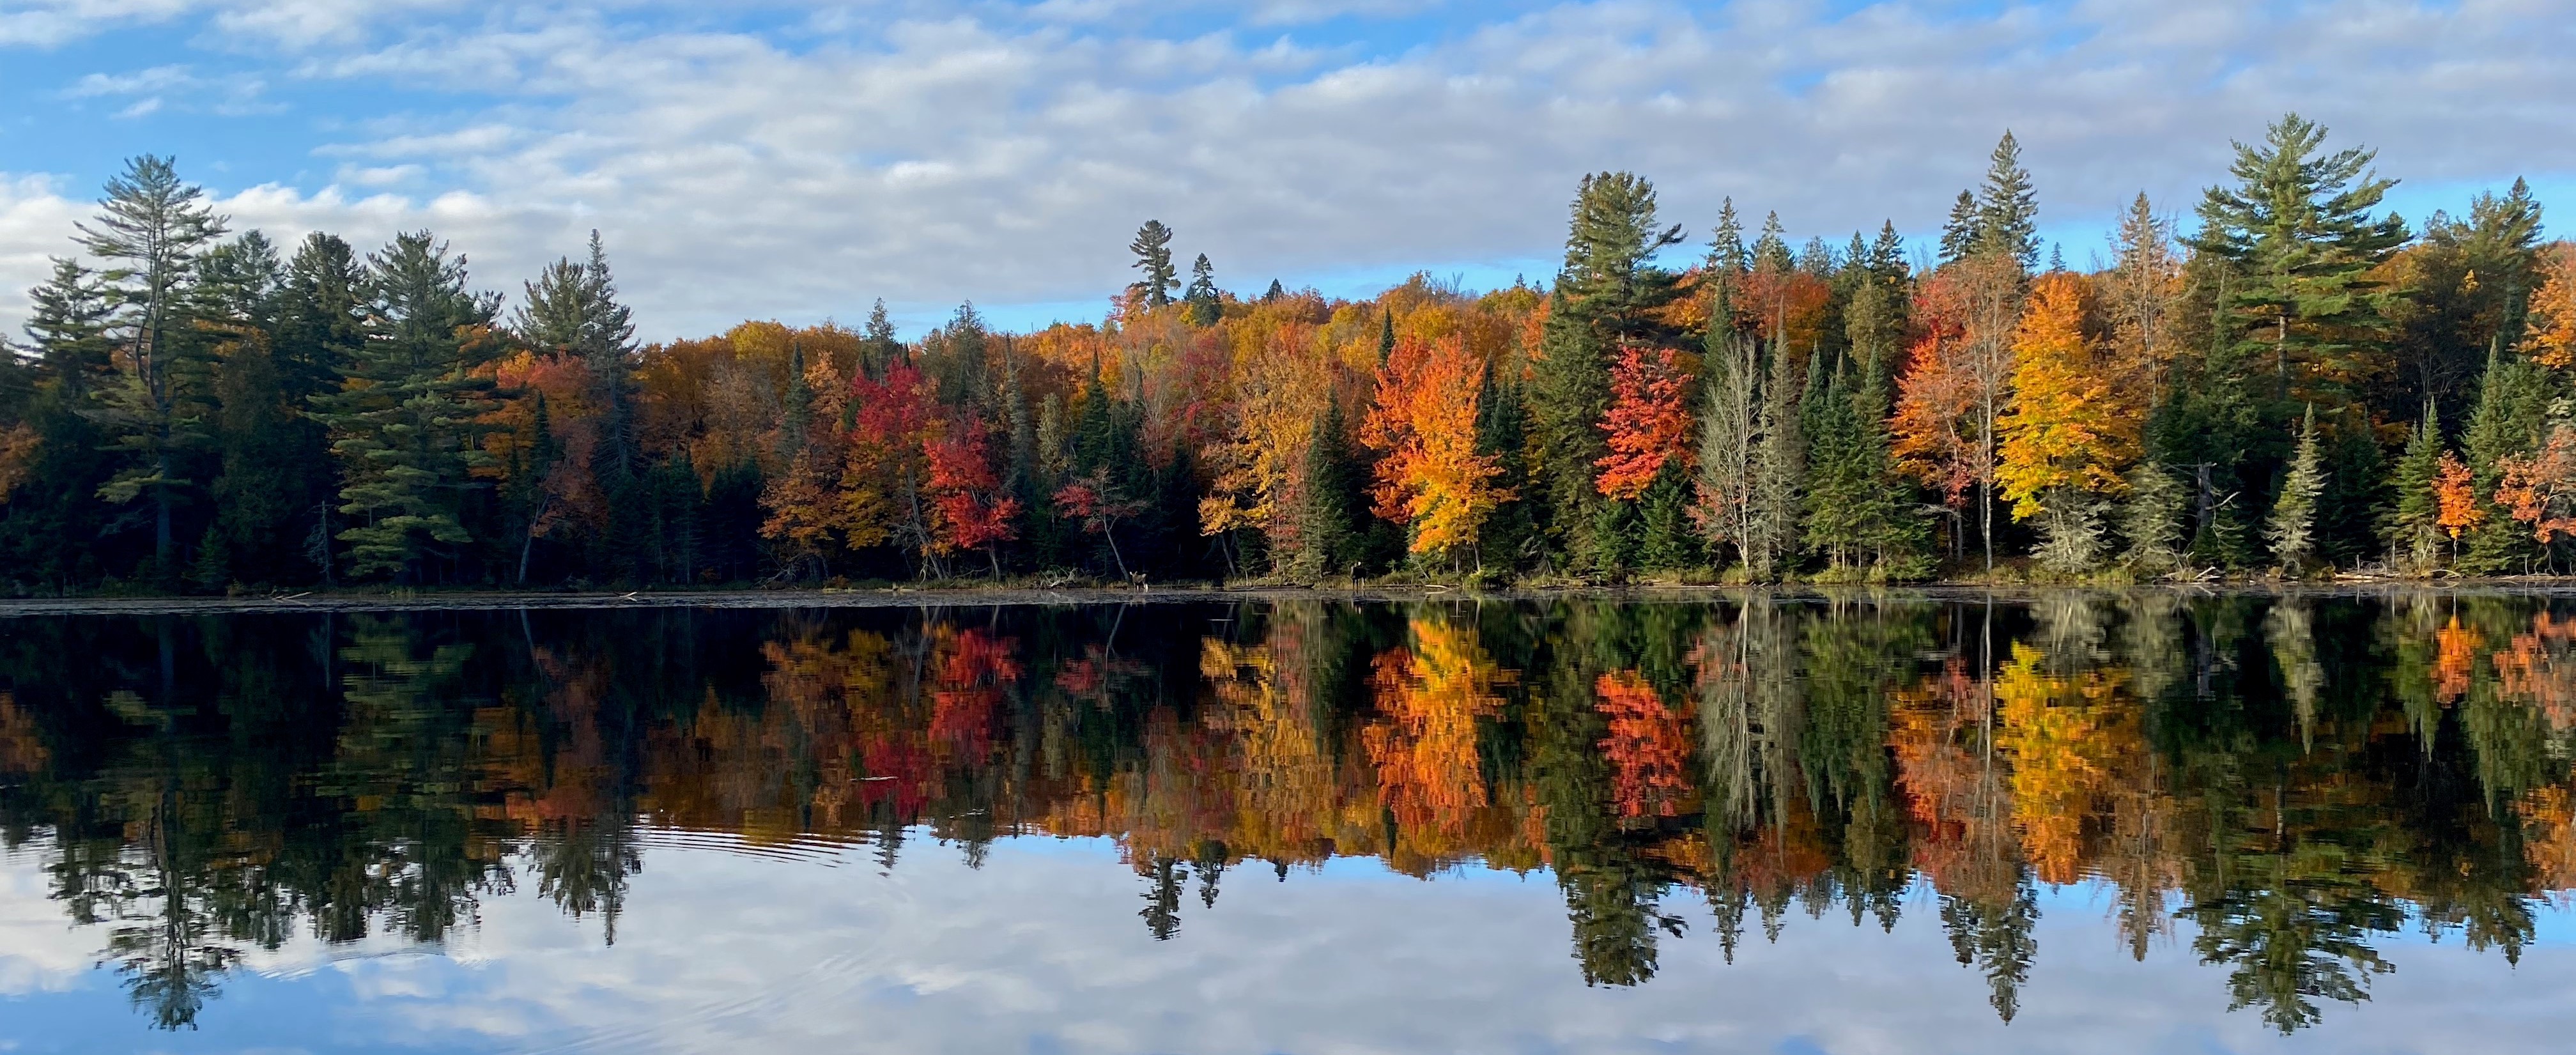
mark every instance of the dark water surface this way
{"type": "Point", "coordinates": [2145, 822]}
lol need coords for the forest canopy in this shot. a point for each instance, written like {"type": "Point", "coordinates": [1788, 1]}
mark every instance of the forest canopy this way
{"type": "Point", "coordinates": [2295, 382]}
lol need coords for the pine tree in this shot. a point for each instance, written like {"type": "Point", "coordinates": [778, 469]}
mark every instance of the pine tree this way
{"type": "Point", "coordinates": [1385, 335]}
{"type": "Point", "coordinates": [1153, 249]}
{"type": "Point", "coordinates": [2007, 208]}
{"type": "Point", "coordinates": [1330, 500]}
{"type": "Point", "coordinates": [1780, 470]}
{"type": "Point", "coordinates": [2151, 519]}
{"type": "Point", "coordinates": [2413, 529]}
{"type": "Point", "coordinates": [1771, 253]}
{"type": "Point", "coordinates": [572, 308]}
{"type": "Point", "coordinates": [2298, 237]}
{"type": "Point", "coordinates": [1961, 233]}
{"type": "Point", "coordinates": [2510, 419]}
{"type": "Point", "coordinates": [1276, 291]}
{"type": "Point", "coordinates": [879, 348]}
{"type": "Point", "coordinates": [1204, 306]}
{"type": "Point", "coordinates": [1727, 256]}
{"type": "Point", "coordinates": [151, 228]}
{"type": "Point", "coordinates": [2292, 528]}
{"type": "Point", "coordinates": [321, 316]}
{"type": "Point", "coordinates": [405, 423]}
{"type": "Point", "coordinates": [68, 324]}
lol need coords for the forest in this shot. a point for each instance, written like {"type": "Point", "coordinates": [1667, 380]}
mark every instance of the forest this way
{"type": "Point", "coordinates": [2296, 384]}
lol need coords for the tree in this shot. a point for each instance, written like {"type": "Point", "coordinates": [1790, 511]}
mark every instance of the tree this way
{"type": "Point", "coordinates": [1429, 473]}
{"type": "Point", "coordinates": [1153, 249]}
{"type": "Point", "coordinates": [1728, 442]}
{"type": "Point", "coordinates": [2151, 519]}
{"type": "Point", "coordinates": [404, 423]}
{"type": "Point", "coordinates": [1963, 231]}
{"type": "Point", "coordinates": [1204, 307]}
{"type": "Point", "coordinates": [151, 228]}
{"type": "Point", "coordinates": [1955, 388]}
{"type": "Point", "coordinates": [973, 512]}
{"type": "Point", "coordinates": [2455, 498]}
{"type": "Point", "coordinates": [2070, 427]}
{"type": "Point", "coordinates": [2007, 209]}
{"type": "Point", "coordinates": [1329, 499]}
{"type": "Point", "coordinates": [2539, 489]}
{"type": "Point", "coordinates": [2298, 235]}
{"type": "Point", "coordinates": [2552, 340]}
{"type": "Point", "coordinates": [572, 308]}
{"type": "Point", "coordinates": [2414, 522]}
{"type": "Point", "coordinates": [1779, 472]}
{"type": "Point", "coordinates": [2291, 530]}
{"type": "Point", "coordinates": [2142, 292]}
{"type": "Point", "coordinates": [1609, 292]}
{"type": "Point", "coordinates": [1095, 500]}
{"type": "Point", "coordinates": [1647, 426]}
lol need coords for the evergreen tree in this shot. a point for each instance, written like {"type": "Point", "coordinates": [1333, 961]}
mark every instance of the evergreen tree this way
{"type": "Point", "coordinates": [1961, 233]}
{"type": "Point", "coordinates": [572, 308]}
{"type": "Point", "coordinates": [879, 348]}
{"type": "Point", "coordinates": [2510, 419]}
{"type": "Point", "coordinates": [1153, 249]}
{"type": "Point", "coordinates": [2299, 239]}
{"type": "Point", "coordinates": [1204, 306]}
{"type": "Point", "coordinates": [1272, 295]}
{"type": "Point", "coordinates": [2413, 530]}
{"type": "Point", "coordinates": [2291, 529]}
{"type": "Point", "coordinates": [1727, 256]}
{"type": "Point", "coordinates": [2152, 517]}
{"type": "Point", "coordinates": [1510, 534]}
{"type": "Point", "coordinates": [1330, 500]}
{"type": "Point", "coordinates": [321, 316]}
{"type": "Point", "coordinates": [1385, 336]}
{"type": "Point", "coordinates": [1780, 471]}
{"type": "Point", "coordinates": [2007, 208]}
{"type": "Point", "coordinates": [151, 228]}
{"type": "Point", "coordinates": [404, 425]}
{"type": "Point", "coordinates": [68, 325]}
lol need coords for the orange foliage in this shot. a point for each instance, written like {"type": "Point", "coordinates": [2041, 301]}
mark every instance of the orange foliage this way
{"type": "Point", "coordinates": [1429, 698]}
{"type": "Point", "coordinates": [1935, 426]}
{"type": "Point", "coordinates": [2066, 735]}
{"type": "Point", "coordinates": [1648, 426]}
{"type": "Point", "coordinates": [2072, 421]}
{"type": "Point", "coordinates": [2539, 489]}
{"type": "Point", "coordinates": [1425, 421]}
{"type": "Point", "coordinates": [2455, 497]}
{"type": "Point", "coordinates": [1648, 746]}
{"type": "Point", "coordinates": [2553, 309]}
{"type": "Point", "coordinates": [2455, 656]}
{"type": "Point", "coordinates": [2537, 668]}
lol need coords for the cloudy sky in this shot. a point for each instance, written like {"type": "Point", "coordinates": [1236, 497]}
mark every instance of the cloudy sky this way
{"type": "Point", "coordinates": [778, 158]}
{"type": "Point", "coordinates": [1041, 951]}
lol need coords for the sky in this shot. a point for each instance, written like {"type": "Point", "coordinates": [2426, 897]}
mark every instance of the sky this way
{"type": "Point", "coordinates": [799, 159]}
{"type": "Point", "coordinates": [802, 948]}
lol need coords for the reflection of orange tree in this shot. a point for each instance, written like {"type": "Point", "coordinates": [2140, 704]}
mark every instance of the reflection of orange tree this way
{"type": "Point", "coordinates": [2066, 734]}
{"type": "Point", "coordinates": [1648, 748]}
{"type": "Point", "coordinates": [1430, 696]}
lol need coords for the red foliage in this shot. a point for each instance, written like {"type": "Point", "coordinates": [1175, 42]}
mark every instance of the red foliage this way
{"type": "Point", "coordinates": [1648, 748]}
{"type": "Point", "coordinates": [1648, 426]}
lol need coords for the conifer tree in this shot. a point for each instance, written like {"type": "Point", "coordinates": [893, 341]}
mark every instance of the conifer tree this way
{"type": "Point", "coordinates": [2511, 419]}
{"type": "Point", "coordinates": [1727, 256]}
{"type": "Point", "coordinates": [151, 228]}
{"type": "Point", "coordinates": [1780, 471]}
{"type": "Point", "coordinates": [1961, 233]}
{"type": "Point", "coordinates": [2007, 208]}
{"type": "Point", "coordinates": [2292, 528]}
{"type": "Point", "coordinates": [2414, 523]}
{"type": "Point", "coordinates": [405, 423]}
{"type": "Point", "coordinates": [2151, 519]}
{"type": "Point", "coordinates": [321, 316]}
{"type": "Point", "coordinates": [2297, 234]}
{"type": "Point", "coordinates": [879, 348]}
{"type": "Point", "coordinates": [1204, 307]}
{"type": "Point", "coordinates": [1153, 249]}
{"type": "Point", "coordinates": [1330, 497]}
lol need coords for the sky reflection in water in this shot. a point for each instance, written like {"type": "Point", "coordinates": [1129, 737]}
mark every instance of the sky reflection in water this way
{"type": "Point", "coordinates": [416, 831]}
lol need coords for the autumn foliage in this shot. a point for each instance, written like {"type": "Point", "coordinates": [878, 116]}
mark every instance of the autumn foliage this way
{"type": "Point", "coordinates": [1647, 424]}
{"type": "Point", "coordinates": [1431, 476]}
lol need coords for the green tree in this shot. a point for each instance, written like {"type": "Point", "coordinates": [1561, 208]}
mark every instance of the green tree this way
{"type": "Point", "coordinates": [1961, 232]}
{"type": "Point", "coordinates": [151, 228]}
{"type": "Point", "coordinates": [2292, 528]}
{"type": "Point", "coordinates": [1204, 306]}
{"type": "Point", "coordinates": [1153, 249]}
{"type": "Point", "coordinates": [404, 424]}
{"type": "Point", "coordinates": [2412, 529]}
{"type": "Point", "coordinates": [2007, 208]}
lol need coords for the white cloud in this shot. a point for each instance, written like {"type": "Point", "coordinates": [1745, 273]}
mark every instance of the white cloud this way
{"type": "Point", "coordinates": [1006, 157]}
{"type": "Point", "coordinates": [1041, 950]}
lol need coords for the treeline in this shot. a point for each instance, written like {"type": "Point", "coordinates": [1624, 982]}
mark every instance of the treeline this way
{"type": "Point", "coordinates": [2302, 383]}
{"type": "Point", "coordinates": [2276, 785]}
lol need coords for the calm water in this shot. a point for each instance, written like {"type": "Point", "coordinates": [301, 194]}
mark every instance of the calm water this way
{"type": "Point", "coordinates": [2134, 822]}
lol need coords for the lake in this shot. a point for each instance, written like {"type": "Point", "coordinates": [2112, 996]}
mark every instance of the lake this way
{"type": "Point", "coordinates": [2115, 822]}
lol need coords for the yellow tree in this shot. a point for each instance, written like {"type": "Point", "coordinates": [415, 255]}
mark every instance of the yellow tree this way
{"type": "Point", "coordinates": [1431, 476]}
{"type": "Point", "coordinates": [2071, 425]}
{"type": "Point", "coordinates": [1430, 695]}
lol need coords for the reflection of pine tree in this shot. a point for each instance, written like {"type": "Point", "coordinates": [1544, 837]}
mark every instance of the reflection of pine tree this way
{"type": "Point", "coordinates": [1162, 911]}
{"type": "Point", "coordinates": [583, 869]}
{"type": "Point", "coordinates": [2290, 939]}
{"type": "Point", "coordinates": [1995, 938]}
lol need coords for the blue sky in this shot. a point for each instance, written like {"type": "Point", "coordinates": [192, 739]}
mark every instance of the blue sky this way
{"type": "Point", "coordinates": [778, 158]}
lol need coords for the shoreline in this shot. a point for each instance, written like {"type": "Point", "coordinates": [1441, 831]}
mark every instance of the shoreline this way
{"type": "Point", "coordinates": [990, 596]}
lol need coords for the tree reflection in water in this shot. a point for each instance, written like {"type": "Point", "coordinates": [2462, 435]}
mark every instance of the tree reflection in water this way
{"type": "Point", "coordinates": [2293, 779]}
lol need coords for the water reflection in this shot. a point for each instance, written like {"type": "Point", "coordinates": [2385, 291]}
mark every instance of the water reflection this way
{"type": "Point", "coordinates": [2293, 781]}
